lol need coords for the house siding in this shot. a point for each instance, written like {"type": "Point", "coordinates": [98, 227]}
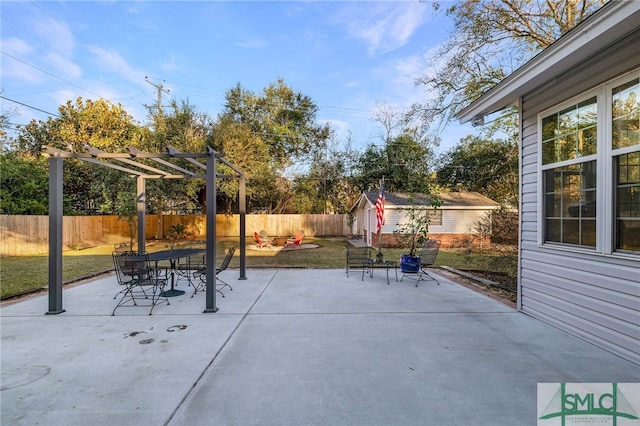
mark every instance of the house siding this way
{"type": "Point", "coordinates": [456, 229]}
{"type": "Point", "coordinates": [594, 296]}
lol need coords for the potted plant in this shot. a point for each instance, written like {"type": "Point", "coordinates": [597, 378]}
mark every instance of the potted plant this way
{"type": "Point", "coordinates": [413, 233]}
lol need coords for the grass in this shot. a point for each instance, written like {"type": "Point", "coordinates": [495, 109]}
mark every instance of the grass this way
{"type": "Point", "coordinates": [23, 274]}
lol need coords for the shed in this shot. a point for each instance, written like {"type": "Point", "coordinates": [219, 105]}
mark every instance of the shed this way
{"type": "Point", "coordinates": [452, 223]}
{"type": "Point", "coordinates": [579, 107]}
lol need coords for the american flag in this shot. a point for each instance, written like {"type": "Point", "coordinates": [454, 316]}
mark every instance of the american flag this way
{"type": "Point", "coordinates": [380, 208]}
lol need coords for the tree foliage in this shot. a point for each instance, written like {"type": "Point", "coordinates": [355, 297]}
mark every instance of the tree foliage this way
{"type": "Point", "coordinates": [265, 135]}
{"type": "Point", "coordinates": [186, 130]}
{"type": "Point", "coordinates": [99, 124]}
{"type": "Point", "coordinates": [284, 119]}
{"type": "Point", "coordinates": [404, 163]}
{"type": "Point", "coordinates": [489, 40]}
{"type": "Point", "coordinates": [23, 185]}
{"type": "Point", "coordinates": [405, 159]}
{"type": "Point", "coordinates": [489, 167]}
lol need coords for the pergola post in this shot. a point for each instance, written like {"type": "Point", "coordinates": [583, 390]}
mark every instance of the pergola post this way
{"type": "Point", "coordinates": [56, 170]}
{"type": "Point", "coordinates": [141, 200]}
{"type": "Point", "coordinates": [243, 227]}
{"type": "Point", "coordinates": [210, 181]}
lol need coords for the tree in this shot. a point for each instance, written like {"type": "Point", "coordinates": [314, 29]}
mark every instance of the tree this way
{"type": "Point", "coordinates": [328, 174]}
{"type": "Point", "coordinates": [186, 130]}
{"type": "Point", "coordinates": [248, 152]}
{"type": "Point", "coordinates": [489, 167]}
{"type": "Point", "coordinates": [489, 40]}
{"type": "Point", "coordinates": [23, 185]}
{"type": "Point", "coordinates": [404, 163]}
{"type": "Point", "coordinates": [284, 119]}
{"type": "Point", "coordinates": [98, 124]}
{"type": "Point", "coordinates": [282, 132]}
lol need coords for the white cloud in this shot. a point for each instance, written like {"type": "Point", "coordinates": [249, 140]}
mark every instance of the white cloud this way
{"type": "Point", "coordinates": [114, 62]}
{"type": "Point", "coordinates": [12, 68]}
{"type": "Point", "coordinates": [65, 68]}
{"type": "Point", "coordinates": [384, 27]}
{"type": "Point", "coordinates": [253, 44]}
{"type": "Point", "coordinates": [56, 35]}
{"type": "Point", "coordinates": [16, 46]}
{"type": "Point", "coordinates": [62, 96]}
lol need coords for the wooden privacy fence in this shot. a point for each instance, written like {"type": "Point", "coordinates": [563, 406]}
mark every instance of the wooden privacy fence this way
{"type": "Point", "coordinates": [25, 235]}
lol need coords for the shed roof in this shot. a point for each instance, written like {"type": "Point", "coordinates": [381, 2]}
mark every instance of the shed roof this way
{"type": "Point", "coordinates": [612, 22]}
{"type": "Point", "coordinates": [449, 200]}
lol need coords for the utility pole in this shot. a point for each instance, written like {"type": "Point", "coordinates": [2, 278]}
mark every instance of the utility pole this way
{"type": "Point", "coordinates": [160, 89]}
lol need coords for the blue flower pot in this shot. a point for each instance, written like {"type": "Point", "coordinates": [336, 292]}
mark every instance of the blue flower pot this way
{"type": "Point", "coordinates": [409, 264]}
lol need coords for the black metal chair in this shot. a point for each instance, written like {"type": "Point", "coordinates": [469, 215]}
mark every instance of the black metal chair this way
{"type": "Point", "coordinates": [356, 258]}
{"type": "Point", "coordinates": [136, 275]}
{"type": "Point", "coordinates": [428, 257]}
{"type": "Point", "coordinates": [220, 284]}
{"type": "Point", "coordinates": [188, 266]}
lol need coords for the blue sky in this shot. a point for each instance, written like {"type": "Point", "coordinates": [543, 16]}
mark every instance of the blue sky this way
{"type": "Point", "coordinates": [346, 56]}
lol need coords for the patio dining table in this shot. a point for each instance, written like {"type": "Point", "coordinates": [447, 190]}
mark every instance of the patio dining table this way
{"type": "Point", "coordinates": [172, 256]}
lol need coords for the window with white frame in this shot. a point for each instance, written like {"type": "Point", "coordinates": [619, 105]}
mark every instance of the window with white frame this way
{"type": "Point", "coordinates": [590, 162]}
{"type": "Point", "coordinates": [625, 145]}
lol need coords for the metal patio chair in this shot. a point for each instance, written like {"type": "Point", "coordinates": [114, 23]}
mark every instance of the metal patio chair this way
{"type": "Point", "coordinates": [428, 257]}
{"type": "Point", "coordinates": [140, 283]}
{"type": "Point", "coordinates": [188, 266]}
{"type": "Point", "coordinates": [220, 284]}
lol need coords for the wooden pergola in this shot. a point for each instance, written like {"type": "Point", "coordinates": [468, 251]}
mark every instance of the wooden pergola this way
{"type": "Point", "coordinates": [143, 166]}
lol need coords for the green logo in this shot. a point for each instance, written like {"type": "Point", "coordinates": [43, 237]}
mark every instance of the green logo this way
{"type": "Point", "coordinates": [588, 402]}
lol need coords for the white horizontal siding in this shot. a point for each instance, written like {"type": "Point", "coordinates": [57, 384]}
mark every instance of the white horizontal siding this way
{"type": "Point", "coordinates": [593, 296]}
{"type": "Point", "coordinates": [625, 346]}
{"type": "Point", "coordinates": [458, 221]}
{"type": "Point", "coordinates": [454, 221]}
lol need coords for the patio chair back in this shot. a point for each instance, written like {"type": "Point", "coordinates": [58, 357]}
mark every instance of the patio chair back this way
{"type": "Point", "coordinates": [259, 241]}
{"type": "Point", "coordinates": [429, 253]}
{"type": "Point", "coordinates": [296, 241]}
{"type": "Point", "coordinates": [220, 284]}
{"type": "Point", "coordinates": [428, 256]}
{"type": "Point", "coordinates": [134, 272]}
{"type": "Point", "coordinates": [227, 260]}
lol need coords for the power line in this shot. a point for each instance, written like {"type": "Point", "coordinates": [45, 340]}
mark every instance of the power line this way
{"type": "Point", "coordinates": [29, 106]}
{"type": "Point", "coordinates": [49, 74]}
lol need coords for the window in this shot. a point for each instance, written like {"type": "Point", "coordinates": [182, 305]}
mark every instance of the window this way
{"type": "Point", "coordinates": [569, 142]}
{"type": "Point", "coordinates": [625, 138]}
{"type": "Point", "coordinates": [570, 203]}
{"type": "Point", "coordinates": [435, 217]}
{"type": "Point", "coordinates": [590, 165]}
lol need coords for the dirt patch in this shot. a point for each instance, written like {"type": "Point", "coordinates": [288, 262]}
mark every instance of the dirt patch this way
{"type": "Point", "coordinates": [506, 297]}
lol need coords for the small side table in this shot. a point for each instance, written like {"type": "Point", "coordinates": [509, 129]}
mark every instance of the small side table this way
{"type": "Point", "coordinates": [371, 264]}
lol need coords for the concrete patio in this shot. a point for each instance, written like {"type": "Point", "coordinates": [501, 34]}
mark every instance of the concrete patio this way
{"type": "Point", "coordinates": [288, 347]}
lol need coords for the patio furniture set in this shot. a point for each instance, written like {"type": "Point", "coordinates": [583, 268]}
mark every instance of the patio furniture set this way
{"type": "Point", "coordinates": [359, 258]}
{"type": "Point", "coordinates": [143, 277]}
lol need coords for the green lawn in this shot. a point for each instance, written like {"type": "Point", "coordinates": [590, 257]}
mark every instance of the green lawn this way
{"type": "Point", "coordinates": [27, 273]}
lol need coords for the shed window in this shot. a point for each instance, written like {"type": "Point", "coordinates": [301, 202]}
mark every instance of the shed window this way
{"type": "Point", "coordinates": [590, 165]}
